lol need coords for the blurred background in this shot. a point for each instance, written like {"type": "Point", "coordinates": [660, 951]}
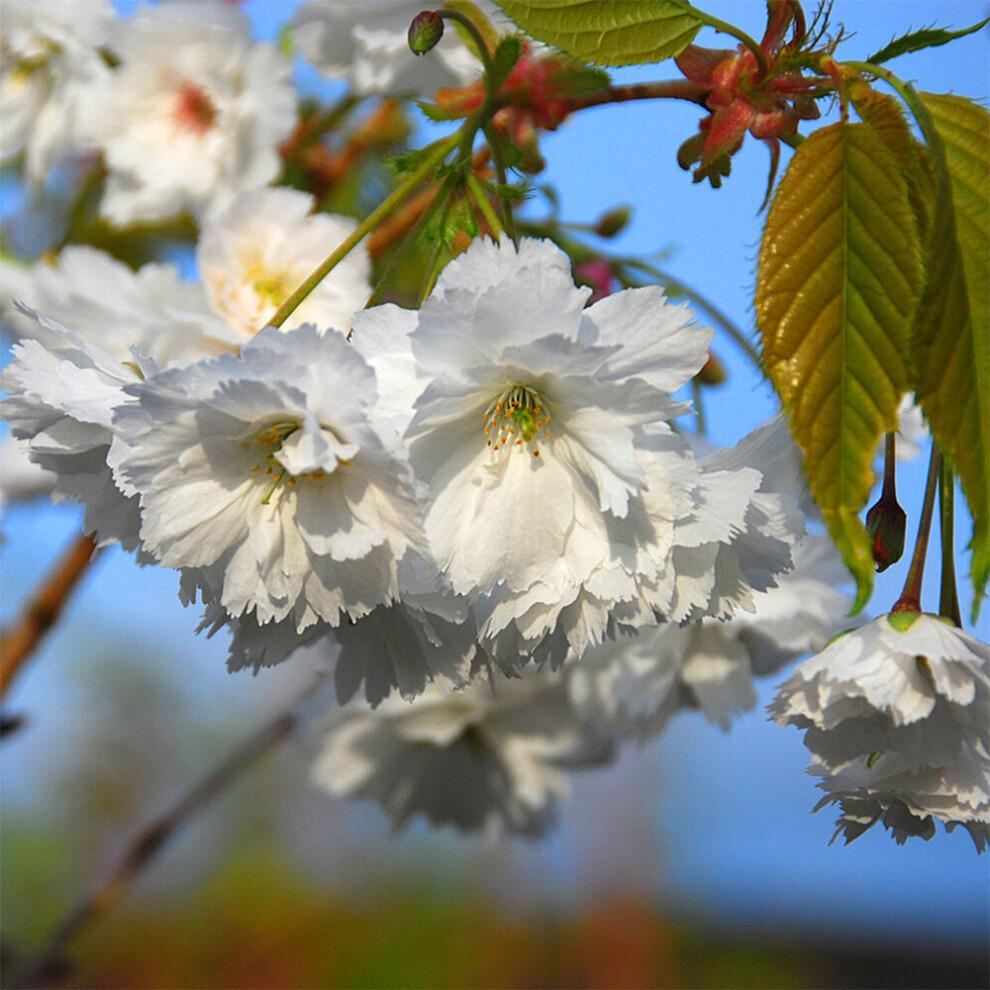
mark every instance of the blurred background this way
{"type": "Point", "coordinates": [692, 862]}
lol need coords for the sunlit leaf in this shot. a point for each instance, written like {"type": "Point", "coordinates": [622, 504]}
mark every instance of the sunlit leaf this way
{"type": "Point", "coordinates": [915, 41]}
{"type": "Point", "coordinates": [949, 348]}
{"type": "Point", "coordinates": [609, 32]}
{"type": "Point", "coordinates": [839, 274]}
{"type": "Point", "coordinates": [884, 114]}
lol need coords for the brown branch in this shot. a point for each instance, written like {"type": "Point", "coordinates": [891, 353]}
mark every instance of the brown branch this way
{"type": "Point", "coordinates": [672, 89]}
{"type": "Point", "coordinates": [17, 644]}
{"type": "Point", "coordinates": [49, 965]}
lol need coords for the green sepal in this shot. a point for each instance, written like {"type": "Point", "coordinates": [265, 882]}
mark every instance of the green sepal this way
{"type": "Point", "coordinates": [915, 41]}
{"type": "Point", "coordinates": [902, 621]}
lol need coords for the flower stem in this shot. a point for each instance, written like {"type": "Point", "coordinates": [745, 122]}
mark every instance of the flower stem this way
{"type": "Point", "coordinates": [399, 255]}
{"type": "Point", "coordinates": [910, 600]}
{"type": "Point", "coordinates": [43, 610]}
{"type": "Point", "coordinates": [948, 603]}
{"type": "Point", "coordinates": [699, 407]}
{"type": "Point", "coordinates": [150, 840]}
{"type": "Point", "coordinates": [479, 40]}
{"type": "Point", "coordinates": [498, 160]}
{"type": "Point", "coordinates": [436, 155]}
{"type": "Point", "coordinates": [485, 205]}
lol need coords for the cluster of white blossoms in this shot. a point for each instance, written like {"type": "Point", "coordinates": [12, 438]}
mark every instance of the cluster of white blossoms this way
{"type": "Point", "coordinates": [898, 725]}
{"type": "Point", "coordinates": [481, 513]}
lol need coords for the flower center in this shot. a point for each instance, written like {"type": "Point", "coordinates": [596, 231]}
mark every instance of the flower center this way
{"type": "Point", "coordinates": [272, 288]}
{"type": "Point", "coordinates": [516, 417]}
{"type": "Point", "coordinates": [270, 440]}
{"type": "Point", "coordinates": [194, 110]}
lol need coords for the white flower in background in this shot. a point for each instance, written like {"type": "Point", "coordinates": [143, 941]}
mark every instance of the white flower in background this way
{"type": "Point", "coordinates": [636, 684]}
{"type": "Point", "coordinates": [557, 486]}
{"type": "Point", "coordinates": [21, 479]}
{"type": "Point", "coordinates": [48, 50]}
{"type": "Point", "coordinates": [912, 433]}
{"type": "Point", "coordinates": [62, 393]}
{"type": "Point", "coordinates": [193, 114]}
{"type": "Point", "coordinates": [266, 475]}
{"type": "Point", "coordinates": [107, 304]}
{"type": "Point", "coordinates": [253, 255]}
{"type": "Point", "coordinates": [898, 725]}
{"type": "Point", "coordinates": [427, 637]}
{"type": "Point", "coordinates": [367, 44]}
{"type": "Point", "coordinates": [489, 757]}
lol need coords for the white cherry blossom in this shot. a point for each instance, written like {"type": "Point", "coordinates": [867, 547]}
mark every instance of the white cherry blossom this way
{"type": "Point", "coordinates": [634, 685]}
{"type": "Point", "coordinates": [49, 51]}
{"type": "Point", "coordinates": [255, 253]}
{"type": "Point", "coordinates": [106, 303]}
{"type": "Point", "coordinates": [559, 493]}
{"type": "Point", "coordinates": [266, 475]}
{"type": "Point", "coordinates": [488, 758]}
{"type": "Point", "coordinates": [897, 720]}
{"type": "Point", "coordinates": [62, 391]}
{"type": "Point", "coordinates": [192, 115]}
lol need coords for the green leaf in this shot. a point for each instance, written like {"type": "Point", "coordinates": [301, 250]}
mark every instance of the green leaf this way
{"type": "Point", "coordinates": [839, 274]}
{"type": "Point", "coordinates": [883, 113]}
{"type": "Point", "coordinates": [950, 351]}
{"type": "Point", "coordinates": [609, 32]}
{"type": "Point", "coordinates": [917, 40]}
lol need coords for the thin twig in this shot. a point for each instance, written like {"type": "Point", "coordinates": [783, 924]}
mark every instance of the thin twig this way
{"type": "Point", "coordinates": [43, 609]}
{"type": "Point", "coordinates": [49, 964]}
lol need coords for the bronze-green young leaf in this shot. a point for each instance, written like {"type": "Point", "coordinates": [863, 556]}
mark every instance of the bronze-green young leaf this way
{"type": "Point", "coordinates": [839, 273]}
{"type": "Point", "coordinates": [950, 351]}
{"type": "Point", "coordinates": [609, 32]}
{"type": "Point", "coordinates": [884, 114]}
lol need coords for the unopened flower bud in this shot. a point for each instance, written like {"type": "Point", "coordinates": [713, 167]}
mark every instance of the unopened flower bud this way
{"type": "Point", "coordinates": [613, 222]}
{"type": "Point", "coordinates": [886, 523]}
{"type": "Point", "coordinates": [712, 371]}
{"type": "Point", "coordinates": [425, 31]}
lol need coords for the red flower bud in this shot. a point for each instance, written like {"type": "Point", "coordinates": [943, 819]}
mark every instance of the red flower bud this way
{"type": "Point", "coordinates": [712, 371]}
{"type": "Point", "coordinates": [886, 523]}
{"type": "Point", "coordinates": [425, 31]}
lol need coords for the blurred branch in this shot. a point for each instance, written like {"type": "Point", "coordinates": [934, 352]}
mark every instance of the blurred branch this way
{"type": "Point", "coordinates": [49, 965]}
{"type": "Point", "coordinates": [676, 89]}
{"type": "Point", "coordinates": [41, 613]}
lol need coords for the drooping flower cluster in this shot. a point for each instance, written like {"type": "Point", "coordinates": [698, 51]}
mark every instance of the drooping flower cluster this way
{"type": "Point", "coordinates": [897, 720]}
{"type": "Point", "coordinates": [545, 505]}
{"type": "Point", "coordinates": [481, 514]}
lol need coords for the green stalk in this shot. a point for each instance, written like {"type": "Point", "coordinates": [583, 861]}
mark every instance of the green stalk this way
{"type": "Point", "coordinates": [910, 600]}
{"type": "Point", "coordinates": [479, 40]}
{"type": "Point", "coordinates": [699, 407]}
{"type": "Point", "coordinates": [440, 150]}
{"type": "Point", "coordinates": [484, 204]}
{"type": "Point", "coordinates": [401, 252]}
{"type": "Point", "coordinates": [498, 160]}
{"type": "Point", "coordinates": [948, 601]}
